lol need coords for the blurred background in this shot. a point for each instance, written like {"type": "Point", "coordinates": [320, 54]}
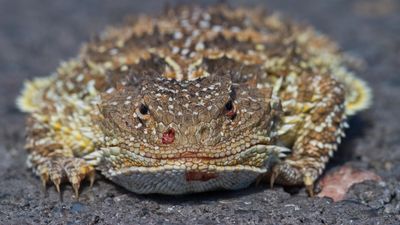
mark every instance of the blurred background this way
{"type": "Point", "coordinates": [35, 36]}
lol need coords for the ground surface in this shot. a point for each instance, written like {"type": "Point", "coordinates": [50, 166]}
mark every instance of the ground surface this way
{"type": "Point", "coordinates": [36, 35]}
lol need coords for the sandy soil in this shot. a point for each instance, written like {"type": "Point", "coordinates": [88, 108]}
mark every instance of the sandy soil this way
{"type": "Point", "coordinates": [36, 35]}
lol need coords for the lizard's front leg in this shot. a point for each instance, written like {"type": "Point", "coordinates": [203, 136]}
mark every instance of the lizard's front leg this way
{"type": "Point", "coordinates": [319, 107]}
{"type": "Point", "coordinates": [53, 160]}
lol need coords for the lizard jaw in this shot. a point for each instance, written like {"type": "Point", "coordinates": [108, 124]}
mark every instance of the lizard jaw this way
{"type": "Point", "coordinates": [188, 175]}
{"type": "Point", "coordinates": [181, 181]}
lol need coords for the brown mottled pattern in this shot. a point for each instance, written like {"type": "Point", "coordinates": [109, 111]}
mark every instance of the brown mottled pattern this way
{"type": "Point", "coordinates": [193, 100]}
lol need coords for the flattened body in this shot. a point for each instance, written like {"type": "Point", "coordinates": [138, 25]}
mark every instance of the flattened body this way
{"type": "Point", "coordinates": [193, 100]}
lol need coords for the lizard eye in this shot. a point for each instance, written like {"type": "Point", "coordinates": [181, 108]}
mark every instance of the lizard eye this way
{"type": "Point", "coordinates": [143, 111]}
{"type": "Point", "coordinates": [230, 110]}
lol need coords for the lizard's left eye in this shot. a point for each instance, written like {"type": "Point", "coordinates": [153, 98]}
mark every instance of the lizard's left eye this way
{"type": "Point", "coordinates": [143, 112]}
{"type": "Point", "coordinates": [230, 110]}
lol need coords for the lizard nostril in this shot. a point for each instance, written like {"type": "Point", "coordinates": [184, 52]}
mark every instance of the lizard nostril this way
{"type": "Point", "coordinates": [168, 136]}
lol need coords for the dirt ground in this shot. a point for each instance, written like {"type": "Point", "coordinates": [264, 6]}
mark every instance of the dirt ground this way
{"type": "Point", "coordinates": [36, 35]}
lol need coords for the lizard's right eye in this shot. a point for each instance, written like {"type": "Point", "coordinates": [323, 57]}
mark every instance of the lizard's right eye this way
{"type": "Point", "coordinates": [230, 110]}
{"type": "Point", "coordinates": [229, 105]}
{"type": "Point", "coordinates": [143, 109]}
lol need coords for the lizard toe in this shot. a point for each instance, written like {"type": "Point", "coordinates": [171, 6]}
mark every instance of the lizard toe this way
{"type": "Point", "coordinates": [77, 170]}
{"type": "Point", "coordinates": [286, 174]}
{"type": "Point", "coordinates": [73, 170]}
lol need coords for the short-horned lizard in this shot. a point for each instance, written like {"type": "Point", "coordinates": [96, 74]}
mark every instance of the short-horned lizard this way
{"type": "Point", "coordinates": [193, 100]}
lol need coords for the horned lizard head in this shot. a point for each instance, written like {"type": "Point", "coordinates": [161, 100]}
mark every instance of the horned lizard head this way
{"type": "Point", "coordinates": [197, 131]}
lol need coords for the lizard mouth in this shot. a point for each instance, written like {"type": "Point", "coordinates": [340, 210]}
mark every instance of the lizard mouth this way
{"type": "Point", "coordinates": [190, 171]}
{"type": "Point", "coordinates": [197, 155]}
{"type": "Point", "coordinates": [199, 176]}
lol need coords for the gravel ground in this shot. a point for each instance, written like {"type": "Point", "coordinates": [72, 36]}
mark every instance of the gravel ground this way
{"type": "Point", "coordinates": [36, 35]}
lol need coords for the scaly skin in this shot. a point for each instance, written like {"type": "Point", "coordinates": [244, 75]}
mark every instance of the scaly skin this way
{"type": "Point", "coordinates": [193, 100]}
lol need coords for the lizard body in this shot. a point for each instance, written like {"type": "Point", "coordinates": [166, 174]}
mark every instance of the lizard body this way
{"type": "Point", "coordinates": [193, 100]}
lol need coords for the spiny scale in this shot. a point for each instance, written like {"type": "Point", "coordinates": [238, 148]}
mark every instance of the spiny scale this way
{"type": "Point", "coordinates": [193, 100]}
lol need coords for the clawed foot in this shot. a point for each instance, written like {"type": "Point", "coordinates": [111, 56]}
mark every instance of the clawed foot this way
{"type": "Point", "coordinates": [286, 174]}
{"type": "Point", "coordinates": [72, 169]}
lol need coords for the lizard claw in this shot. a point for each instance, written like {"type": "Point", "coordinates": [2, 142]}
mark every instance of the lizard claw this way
{"type": "Point", "coordinates": [56, 183]}
{"type": "Point", "coordinates": [76, 171]}
{"type": "Point", "coordinates": [56, 174]}
{"type": "Point", "coordinates": [309, 184]}
{"type": "Point", "coordinates": [44, 177]}
{"type": "Point", "coordinates": [76, 186]}
{"type": "Point", "coordinates": [72, 169]}
{"type": "Point", "coordinates": [273, 177]}
{"type": "Point", "coordinates": [92, 176]}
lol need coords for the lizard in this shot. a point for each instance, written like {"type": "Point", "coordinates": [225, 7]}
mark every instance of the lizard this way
{"type": "Point", "coordinates": [192, 100]}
